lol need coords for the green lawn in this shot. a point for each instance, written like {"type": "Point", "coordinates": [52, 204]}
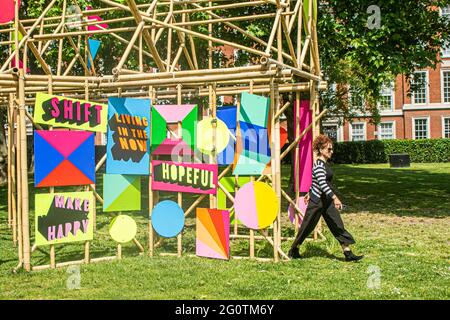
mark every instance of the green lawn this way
{"type": "Point", "coordinates": [399, 217]}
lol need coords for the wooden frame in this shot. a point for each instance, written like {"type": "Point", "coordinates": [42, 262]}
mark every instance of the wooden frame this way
{"type": "Point", "coordinates": [280, 68]}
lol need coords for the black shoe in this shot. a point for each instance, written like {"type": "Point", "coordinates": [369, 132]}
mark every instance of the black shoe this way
{"type": "Point", "coordinates": [294, 253]}
{"type": "Point", "coordinates": [349, 256]}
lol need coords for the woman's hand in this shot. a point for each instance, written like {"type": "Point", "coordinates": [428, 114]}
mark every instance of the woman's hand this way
{"type": "Point", "coordinates": [337, 203]}
{"type": "Point", "coordinates": [306, 198]}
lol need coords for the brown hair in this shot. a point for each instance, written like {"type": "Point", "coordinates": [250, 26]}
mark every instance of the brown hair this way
{"type": "Point", "coordinates": [320, 142]}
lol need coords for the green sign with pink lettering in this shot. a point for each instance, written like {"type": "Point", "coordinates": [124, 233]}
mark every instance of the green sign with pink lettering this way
{"type": "Point", "coordinates": [71, 113]}
{"type": "Point", "coordinates": [63, 217]}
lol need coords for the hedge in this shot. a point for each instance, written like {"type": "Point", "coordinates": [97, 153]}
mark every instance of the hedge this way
{"type": "Point", "coordinates": [377, 151]}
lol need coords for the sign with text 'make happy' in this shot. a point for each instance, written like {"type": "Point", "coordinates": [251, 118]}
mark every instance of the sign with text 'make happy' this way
{"type": "Point", "coordinates": [184, 177]}
{"type": "Point", "coordinates": [70, 113]}
{"type": "Point", "coordinates": [63, 217]}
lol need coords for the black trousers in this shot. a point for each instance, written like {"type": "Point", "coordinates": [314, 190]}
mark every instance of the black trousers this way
{"type": "Point", "coordinates": [325, 207]}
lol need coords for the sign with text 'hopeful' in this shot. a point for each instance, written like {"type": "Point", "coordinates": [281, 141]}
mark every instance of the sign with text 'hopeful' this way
{"type": "Point", "coordinates": [70, 113]}
{"type": "Point", "coordinates": [184, 177]}
{"type": "Point", "coordinates": [64, 217]}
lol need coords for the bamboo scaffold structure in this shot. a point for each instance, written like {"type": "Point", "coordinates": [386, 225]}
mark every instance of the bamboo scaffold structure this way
{"type": "Point", "coordinates": [172, 65]}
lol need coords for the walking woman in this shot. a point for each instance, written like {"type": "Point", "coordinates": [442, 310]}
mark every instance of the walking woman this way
{"type": "Point", "coordinates": [323, 202]}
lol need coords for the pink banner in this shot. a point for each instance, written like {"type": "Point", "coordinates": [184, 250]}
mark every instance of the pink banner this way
{"type": "Point", "coordinates": [303, 165]}
{"type": "Point", "coordinates": [184, 177]}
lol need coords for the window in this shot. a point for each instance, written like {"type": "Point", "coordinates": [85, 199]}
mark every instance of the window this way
{"type": "Point", "coordinates": [419, 80]}
{"type": "Point", "coordinates": [331, 130]}
{"type": "Point", "coordinates": [386, 102]}
{"type": "Point", "coordinates": [421, 128]}
{"type": "Point", "coordinates": [358, 131]}
{"type": "Point", "coordinates": [386, 130]}
{"type": "Point", "coordinates": [446, 49]}
{"type": "Point", "coordinates": [446, 128]}
{"type": "Point", "coordinates": [356, 98]}
{"type": "Point", "coordinates": [446, 86]}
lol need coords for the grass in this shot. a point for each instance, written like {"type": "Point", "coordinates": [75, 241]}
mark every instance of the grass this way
{"type": "Point", "coordinates": [399, 217]}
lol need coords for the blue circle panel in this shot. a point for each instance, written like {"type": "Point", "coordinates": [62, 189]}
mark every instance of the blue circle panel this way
{"type": "Point", "coordinates": [167, 219]}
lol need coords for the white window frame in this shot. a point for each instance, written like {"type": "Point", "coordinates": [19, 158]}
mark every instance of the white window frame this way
{"type": "Point", "coordinates": [445, 51]}
{"type": "Point", "coordinates": [339, 131]}
{"type": "Point", "coordinates": [442, 85]}
{"type": "Point", "coordinates": [413, 127]}
{"type": "Point", "coordinates": [351, 130]}
{"type": "Point", "coordinates": [394, 129]}
{"type": "Point", "coordinates": [392, 89]}
{"type": "Point", "coordinates": [427, 89]}
{"type": "Point", "coordinates": [443, 125]}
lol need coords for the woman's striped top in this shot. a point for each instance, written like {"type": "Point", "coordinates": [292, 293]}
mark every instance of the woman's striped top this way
{"type": "Point", "coordinates": [320, 184]}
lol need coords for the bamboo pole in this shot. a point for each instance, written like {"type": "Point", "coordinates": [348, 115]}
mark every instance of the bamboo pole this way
{"type": "Point", "coordinates": [12, 162]}
{"type": "Point", "coordinates": [24, 173]}
{"type": "Point", "coordinates": [273, 165]}
{"type": "Point", "coordinates": [150, 192]}
{"type": "Point", "coordinates": [61, 41]}
{"type": "Point", "coordinates": [180, 159]}
{"type": "Point", "coordinates": [19, 188]}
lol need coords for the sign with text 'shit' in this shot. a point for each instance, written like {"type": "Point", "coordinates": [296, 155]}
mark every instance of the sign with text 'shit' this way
{"type": "Point", "coordinates": [128, 143]}
{"type": "Point", "coordinates": [64, 217]}
{"type": "Point", "coordinates": [184, 177]}
{"type": "Point", "coordinates": [70, 113]}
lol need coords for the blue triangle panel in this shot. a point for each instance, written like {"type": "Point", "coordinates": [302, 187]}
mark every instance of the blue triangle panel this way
{"type": "Point", "coordinates": [46, 158]}
{"type": "Point", "coordinates": [94, 45]}
{"type": "Point", "coordinates": [83, 158]}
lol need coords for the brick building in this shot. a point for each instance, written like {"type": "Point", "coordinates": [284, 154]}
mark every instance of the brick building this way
{"type": "Point", "coordinates": [424, 114]}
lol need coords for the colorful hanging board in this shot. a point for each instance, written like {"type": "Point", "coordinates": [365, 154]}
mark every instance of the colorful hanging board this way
{"type": "Point", "coordinates": [166, 140]}
{"type": "Point", "coordinates": [122, 229]}
{"type": "Point", "coordinates": [228, 115]}
{"type": "Point", "coordinates": [127, 149]}
{"type": "Point", "coordinates": [213, 233]}
{"type": "Point", "coordinates": [303, 165]}
{"type": "Point", "coordinates": [167, 219]}
{"type": "Point", "coordinates": [205, 133]}
{"type": "Point", "coordinates": [291, 210]}
{"type": "Point", "coordinates": [256, 205]}
{"type": "Point", "coordinates": [184, 177]}
{"type": "Point", "coordinates": [121, 192]}
{"type": "Point", "coordinates": [252, 139]}
{"type": "Point", "coordinates": [70, 113]}
{"type": "Point", "coordinates": [8, 10]}
{"type": "Point", "coordinates": [229, 184]}
{"type": "Point", "coordinates": [63, 158]}
{"type": "Point", "coordinates": [63, 217]}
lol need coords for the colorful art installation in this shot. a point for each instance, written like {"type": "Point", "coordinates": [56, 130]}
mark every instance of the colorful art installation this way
{"type": "Point", "coordinates": [122, 229]}
{"type": "Point", "coordinates": [70, 113]}
{"type": "Point", "coordinates": [7, 12]}
{"type": "Point", "coordinates": [128, 144]}
{"type": "Point", "coordinates": [283, 137]}
{"type": "Point", "coordinates": [63, 217]}
{"type": "Point", "coordinates": [256, 205]}
{"type": "Point", "coordinates": [212, 233]}
{"type": "Point", "coordinates": [292, 212]}
{"type": "Point", "coordinates": [252, 139]}
{"type": "Point", "coordinates": [166, 138]}
{"type": "Point", "coordinates": [205, 134]}
{"type": "Point", "coordinates": [94, 45]}
{"type": "Point", "coordinates": [228, 115]}
{"type": "Point", "coordinates": [184, 177]}
{"type": "Point", "coordinates": [167, 219]}
{"type": "Point", "coordinates": [304, 163]}
{"type": "Point", "coordinates": [63, 158]}
{"type": "Point", "coordinates": [121, 192]}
